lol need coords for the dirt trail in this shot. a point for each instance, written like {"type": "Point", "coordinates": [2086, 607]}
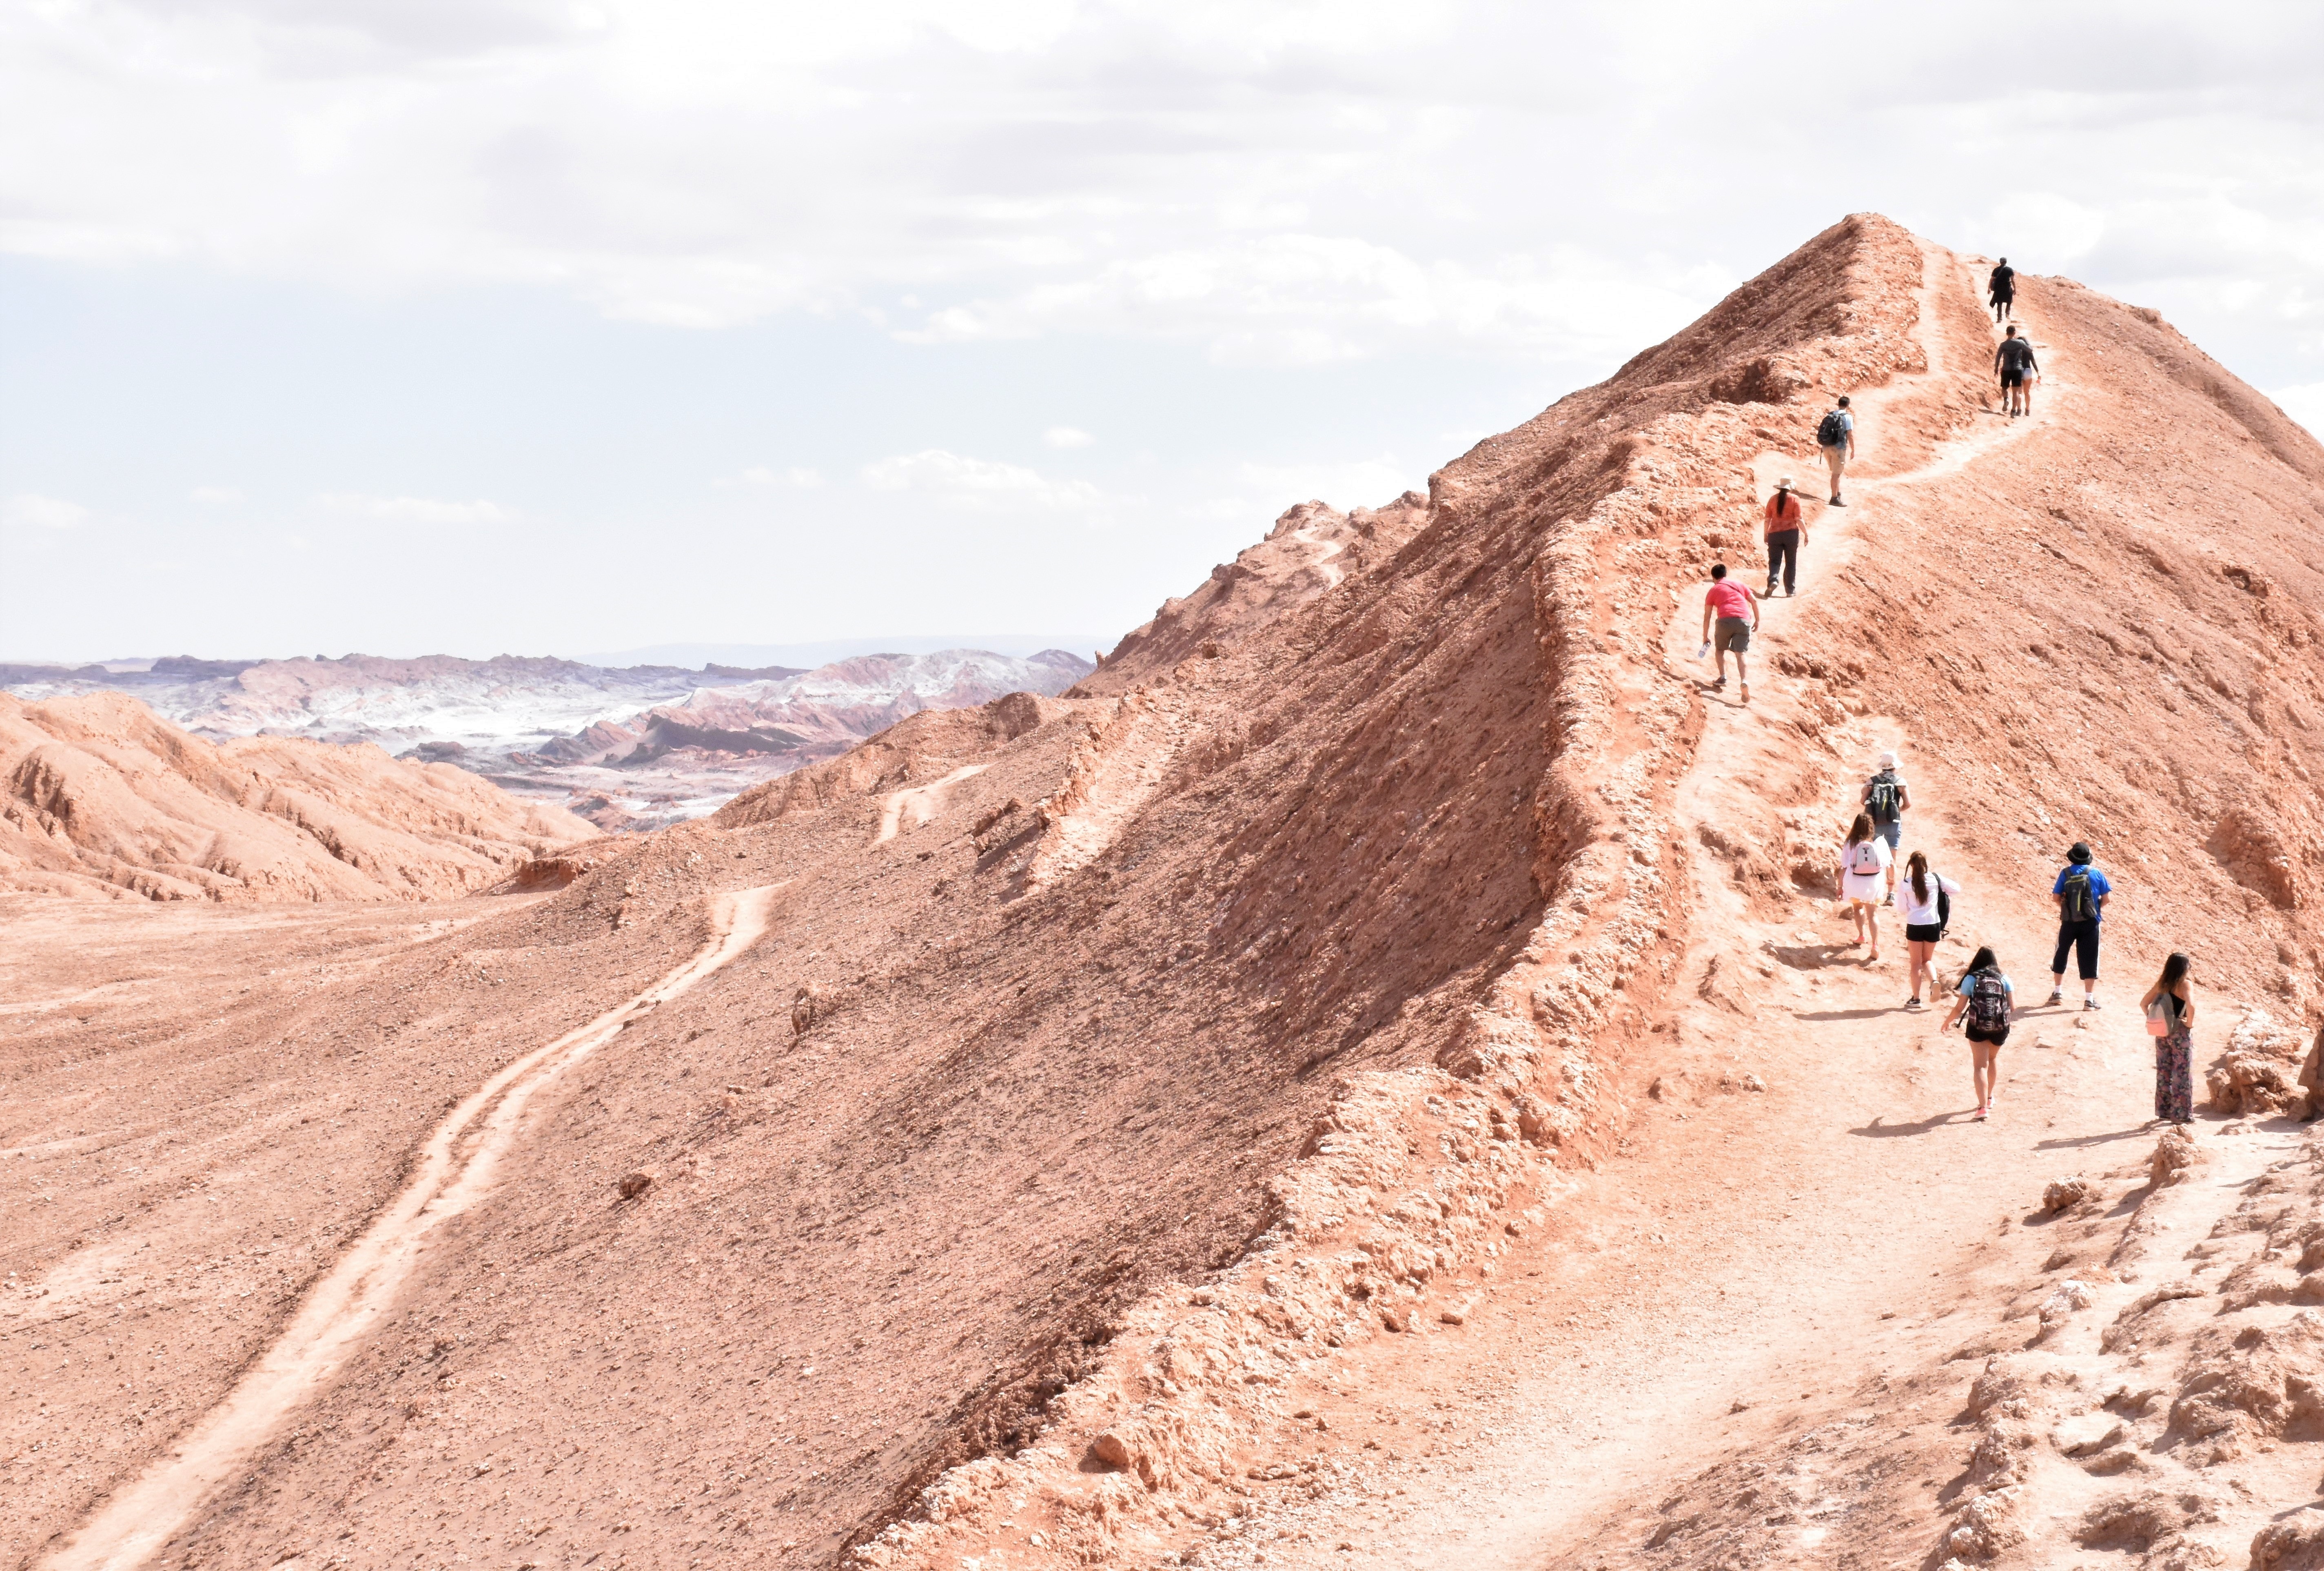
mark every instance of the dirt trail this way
{"type": "Point", "coordinates": [456, 1169]}
{"type": "Point", "coordinates": [1828, 1228]}
{"type": "Point", "coordinates": [922, 802]}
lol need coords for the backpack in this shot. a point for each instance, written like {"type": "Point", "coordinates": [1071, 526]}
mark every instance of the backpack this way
{"type": "Point", "coordinates": [1944, 911]}
{"type": "Point", "coordinates": [1864, 858]}
{"type": "Point", "coordinates": [1884, 802]}
{"type": "Point", "coordinates": [2075, 903]}
{"type": "Point", "coordinates": [1831, 432]}
{"type": "Point", "coordinates": [1988, 1001]}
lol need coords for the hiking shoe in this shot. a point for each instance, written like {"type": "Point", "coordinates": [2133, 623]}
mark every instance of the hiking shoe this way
{"type": "Point", "coordinates": [2090, 1003]}
{"type": "Point", "coordinates": [1835, 502]}
{"type": "Point", "coordinates": [2057, 998]}
{"type": "Point", "coordinates": [1913, 1003]}
{"type": "Point", "coordinates": [1891, 900]}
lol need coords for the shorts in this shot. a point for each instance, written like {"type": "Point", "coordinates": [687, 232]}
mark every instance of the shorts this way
{"type": "Point", "coordinates": [1731, 633]}
{"type": "Point", "coordinates": [1835, 458]}
{"type": "Point", "coordinates": [2013, 379]}
{"type": "Point", "coordinates": [1892, 831]}
{"type": "Point", "coordinates": [1922, 932]}
{"type": "Point", "coordinates": [1997, 1037]}
{"type": "Point", "coordinates": [2082, 939]}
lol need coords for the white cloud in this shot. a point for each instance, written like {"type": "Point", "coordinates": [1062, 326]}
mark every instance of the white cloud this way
{"type": "Point", "coordinates": [795, 479]}
{"type": "Point", "coordinates": [1066, 436]}
{"type": "Point", "coordinates": [416, 509]}
{"type": "Point", "coordinates": [216, 495]}
{"type": "Point", "coordinates": [26, 511]}
{"type": "Point", "coordinates": [2303, 403]}
{"type": "Point", "coordinates": [982, 485]}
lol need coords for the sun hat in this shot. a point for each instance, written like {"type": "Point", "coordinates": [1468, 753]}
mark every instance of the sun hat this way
{"type": "Point", "coordinates": [1889, 759]}
{"type": "Point", "coordinates": [2077, 854]}
{"type": "Point", "coordinates": [1784, 483]}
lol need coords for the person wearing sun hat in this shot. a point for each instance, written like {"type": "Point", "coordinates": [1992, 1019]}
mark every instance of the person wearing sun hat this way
{"type": "Point", "coordinates": [1785, 533]}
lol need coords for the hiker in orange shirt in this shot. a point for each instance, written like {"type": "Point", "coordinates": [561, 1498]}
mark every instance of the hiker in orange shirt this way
{"type": "Point", "coordinates": [1785, 535]}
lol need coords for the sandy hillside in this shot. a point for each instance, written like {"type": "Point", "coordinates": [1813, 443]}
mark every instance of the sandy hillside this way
{"type": "Point", "coordinates": [100, 796]}
{"type": "Point", "coordinates": [1372, 1077]}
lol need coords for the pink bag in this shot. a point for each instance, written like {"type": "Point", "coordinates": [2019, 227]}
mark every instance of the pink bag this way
{"type": "Point", "coordinates": [2158, 1018]}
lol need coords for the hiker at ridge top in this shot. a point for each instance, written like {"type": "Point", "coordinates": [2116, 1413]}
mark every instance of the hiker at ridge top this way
{"type": "Point", "coordinates": [1836, 435]}
{"type": "Point", "coordinates": [1785, 536]}
{"type": "Point", "coordinates": [1730, 602]}
{"type": "Point", "coordinates": [2081, 892]}
{"type": "Point", "coordinates": [2013, 361]}
{"type": "Point", "coordinates": [2002, 289]}
{"type": "Point", "coordinates": [1884, 798]}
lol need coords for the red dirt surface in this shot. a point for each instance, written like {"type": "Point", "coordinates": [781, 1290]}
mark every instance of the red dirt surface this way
{"type": "Point", "coordinates": [1269, 1101]}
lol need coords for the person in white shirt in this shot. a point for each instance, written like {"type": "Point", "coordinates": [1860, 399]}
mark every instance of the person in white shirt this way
{"type": "Point", "coordinates": [1863, 863]}
{"type": "Point", "coordinates": [1923, 922]}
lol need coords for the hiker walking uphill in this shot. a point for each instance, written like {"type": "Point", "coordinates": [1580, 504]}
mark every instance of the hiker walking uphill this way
{"type": "Point", "coordinates": [1737, 614]}
{"type": "Point", "coordinates": [2001, 289]}
{"type": "Point", "coordinates": [2170, 1008]}
{"type": "Point", "coordinates": [2081, 892]}
{"type": "Point", "coordinates": [1989, 1002]}
{"type": "Point", "coordinates": [2014, 362]}
{"type": "Point", "coordinates": [1836, 435]}
{"type": "Point", "coordinates": [1884, 798]}
{"type": "Point", "coordinates": [1863, 859]}
{"type": "Point", "coordinates": [1784, 537]}
{"type": "Point", "coordinates": [1928, 907]}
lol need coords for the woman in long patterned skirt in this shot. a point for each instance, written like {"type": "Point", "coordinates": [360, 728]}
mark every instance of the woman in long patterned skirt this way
{"type": "Point", "coordinates": [2171, 1004]}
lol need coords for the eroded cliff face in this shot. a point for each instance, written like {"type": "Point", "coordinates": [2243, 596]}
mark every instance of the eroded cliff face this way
{"type": "Point", "coordinates": [1121, 1073]}
{"type": "Point", "coordinates": [104, 798]}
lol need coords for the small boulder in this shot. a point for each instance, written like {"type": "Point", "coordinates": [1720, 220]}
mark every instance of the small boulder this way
{"type": "Point", "coordinates": [2175, 1154]}
{"type": "Point", "coordinates": [1112, 1450]}
{"type": "Point", "coordinates": [2079, 1437]}
{"type": "Point", "coordinates": [809, 1004]}
{"type": "Point", "coordinates": [633, 1185]}
{"type": "Point", "coordinates": [2064, 1193]}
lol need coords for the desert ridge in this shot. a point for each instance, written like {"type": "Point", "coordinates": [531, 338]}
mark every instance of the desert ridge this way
{"type": "Point", "coordinates": [105, 800]}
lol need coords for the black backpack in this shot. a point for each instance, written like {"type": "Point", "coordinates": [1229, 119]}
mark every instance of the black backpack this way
{"type": "Point", "coordinates": [1830, 431]}
{"type": "Point", "coordinates": [1885, 800]}
{"type": "Point", "coordinates": [2075, 901]}
{"type": "Point", "coordinates": [1988, 1001]}
{"type": "Point", "coordinates": [1944, 911]}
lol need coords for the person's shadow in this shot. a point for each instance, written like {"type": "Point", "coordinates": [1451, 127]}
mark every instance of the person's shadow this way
{"type": "Point", "coordinates": [2080, 1141]}
{"type": "Point", "coordinates": [1879, 1130]}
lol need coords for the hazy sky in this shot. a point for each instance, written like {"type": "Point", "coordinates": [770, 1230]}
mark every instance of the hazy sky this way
{"type": "Point", "coordinates": [406, 326]}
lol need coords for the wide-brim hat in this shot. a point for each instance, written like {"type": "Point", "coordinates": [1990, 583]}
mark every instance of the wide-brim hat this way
{"type": "Point", "coordinates": [1784, 483]}
{"type": "Point", "coordinates": [2077, 854]}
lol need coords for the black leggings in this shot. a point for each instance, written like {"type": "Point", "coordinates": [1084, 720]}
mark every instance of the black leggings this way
{"type": "Point", "coordinates": [2081, 940]}
{"type": "Point", "coordinates": [1784, 558]}
{"type": "Point", "coordinates": [2001, 303]}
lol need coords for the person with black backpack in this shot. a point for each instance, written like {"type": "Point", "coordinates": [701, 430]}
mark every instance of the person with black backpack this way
{"type": "Point", "coordinates": [2014, 361]}
{"type": "Point", "coordinates": [2081, 892]}
{"type": "Point", "coordinates": [1836, 435]}
{"type": "Point", "coordinates": [1988, 1001]}
{"type": "Point", "coordinates": [1928, 907]}
{"type": "Point", "coordinates": [2002, 289]}
{"type": "Point", "coordinates": [1884, 798]}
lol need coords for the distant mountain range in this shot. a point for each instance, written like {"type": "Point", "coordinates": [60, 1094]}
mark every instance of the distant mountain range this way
{"type": "Point", "coordinates": [627, 747]}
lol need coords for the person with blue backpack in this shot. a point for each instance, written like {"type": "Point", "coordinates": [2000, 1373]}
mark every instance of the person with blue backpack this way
{"type": "Point", "coordinates": [1836, 435]}
{"type": "Point", "coordinates": [2080, 892]}
{"type": "Point", "coordinates": [1988, 1001]}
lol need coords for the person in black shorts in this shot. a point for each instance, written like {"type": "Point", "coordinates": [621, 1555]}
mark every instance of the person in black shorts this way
{"type": "Point", "coordinates": [2002, 288]}
{"type": "Point", "coordinates": [2014, 361]}
{"type": "Point", "coordinates": [1990, 1002]}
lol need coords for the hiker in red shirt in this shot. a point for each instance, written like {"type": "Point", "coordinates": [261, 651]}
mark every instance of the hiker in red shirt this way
{"type": "Point", "coordinates": [1737, 614]}
{"type": "Point", "coordinates": [1785, 535]}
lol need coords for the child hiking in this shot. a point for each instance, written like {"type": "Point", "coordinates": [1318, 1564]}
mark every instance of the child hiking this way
{"type": "Point", "coordinates": [1885, 797]}
{"type": "Point", "coordinates": [1863, 860]}
{"type": "Point", "coordinates": [1988, 1001]}
{"type": "Point", "coordinates": [2170, 1006]}
{"type": "Point", "coordinates": [1928, 906]}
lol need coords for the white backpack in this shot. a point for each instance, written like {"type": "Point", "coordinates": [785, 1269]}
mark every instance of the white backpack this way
{"type": "Point", "coordinates": [1867, 857]}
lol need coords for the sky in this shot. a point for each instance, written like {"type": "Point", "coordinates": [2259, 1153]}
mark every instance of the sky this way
{"type": "Point", "coordinates": [494, 326]}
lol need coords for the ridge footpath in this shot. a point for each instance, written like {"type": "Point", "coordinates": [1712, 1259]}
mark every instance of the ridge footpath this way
{"type": "Point", "coordinates": [1164, 1123]}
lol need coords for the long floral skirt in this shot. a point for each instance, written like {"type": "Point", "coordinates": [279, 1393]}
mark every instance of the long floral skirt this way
{"type": "Point", "coordinates": [2174, 1075]}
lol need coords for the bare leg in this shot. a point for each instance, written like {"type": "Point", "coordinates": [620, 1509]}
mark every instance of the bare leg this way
{"type": "Point", "coordinates": [1981, 1072]}
{"type": "Point", "coordinates": [1742, 677]}
{"type": "Point", "coordinates": [1923, 953]}
{"type": "Point", "coordinates": [1872, 921]}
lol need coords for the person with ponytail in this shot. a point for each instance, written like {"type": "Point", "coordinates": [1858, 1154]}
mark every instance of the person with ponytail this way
{"type": "Point", "coordinates": [2170, 1006]}
{"type": "Point", "coordinates": [1864, 862]}
{"type": "Point", "coordinates": [1926, 896]}
{"type": "Point", "coordinates": [1989, 1002]}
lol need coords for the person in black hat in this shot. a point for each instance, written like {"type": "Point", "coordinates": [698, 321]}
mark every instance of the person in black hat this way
{"type": "Point", "coordinates": [2081, 892]}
